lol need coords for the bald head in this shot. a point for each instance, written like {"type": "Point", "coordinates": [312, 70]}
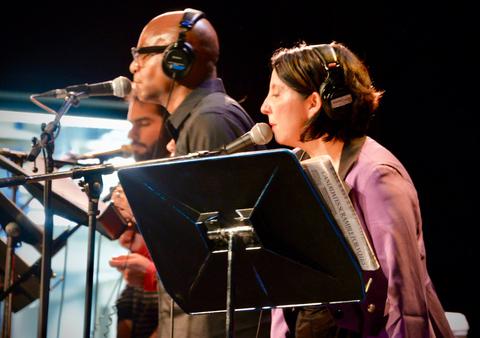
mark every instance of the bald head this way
{"type": "Point", "coordinates": [164, 30]}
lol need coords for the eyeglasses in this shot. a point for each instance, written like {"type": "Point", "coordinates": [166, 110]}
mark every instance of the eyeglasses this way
{"type": "Point", "coordinates": [136, 52]}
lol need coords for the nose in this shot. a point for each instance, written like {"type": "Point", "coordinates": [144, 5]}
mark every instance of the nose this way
{"type": "Point", "coordinates": [133, 134]}
{"type": "Point", "coordinates": [133, 66]}
{"type": "Point", "coordinates": [265, 108]}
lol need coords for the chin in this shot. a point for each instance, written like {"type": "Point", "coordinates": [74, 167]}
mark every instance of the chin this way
{"type": "Point", "coordinates": [141, 94]}
{"type": "Point", "coordinates": [286, 140]}
{"type": "Point", "coordinates": [280, 140]}
{"type": "Point", "coordinates": [139, 157]}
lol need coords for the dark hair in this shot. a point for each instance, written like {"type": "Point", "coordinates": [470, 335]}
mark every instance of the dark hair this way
{"type": "Point", "coordinates": [302, 68]}
{"type": "Point", "coordinates": [159, 109]}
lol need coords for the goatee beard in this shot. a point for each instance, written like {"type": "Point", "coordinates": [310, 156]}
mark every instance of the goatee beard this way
{"type": "Point", "coordinates": [148, 155]}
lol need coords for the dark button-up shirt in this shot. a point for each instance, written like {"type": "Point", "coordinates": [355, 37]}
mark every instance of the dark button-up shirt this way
{"type": "Point", "coordinates": [207, 119]}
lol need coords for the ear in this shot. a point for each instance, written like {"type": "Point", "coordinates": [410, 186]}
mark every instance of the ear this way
{"type": "Point", "coordinates": [314, 103]}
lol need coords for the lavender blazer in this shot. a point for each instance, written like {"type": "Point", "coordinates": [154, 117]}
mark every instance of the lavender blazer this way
{"type": "Point", "coordinates": [401, 300]}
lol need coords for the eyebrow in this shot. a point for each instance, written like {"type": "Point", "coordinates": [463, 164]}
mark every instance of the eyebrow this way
{"type": "Point", "coordinates": [141, 119]}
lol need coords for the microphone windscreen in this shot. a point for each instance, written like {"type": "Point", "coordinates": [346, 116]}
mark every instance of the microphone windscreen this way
{"type": "Point", "coordinates": [121, 86]}
{"type": "Point", "coordinates": [261, 133]}
{"type": "Point", "coordinates": [127, 150]}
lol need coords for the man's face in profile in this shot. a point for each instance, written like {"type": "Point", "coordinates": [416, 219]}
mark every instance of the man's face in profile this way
{"type": "Point", "coordinates": [147, 124]}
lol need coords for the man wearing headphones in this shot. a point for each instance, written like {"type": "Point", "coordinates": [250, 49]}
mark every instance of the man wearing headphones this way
{"type": "Point", "coordinates": [174, 64]}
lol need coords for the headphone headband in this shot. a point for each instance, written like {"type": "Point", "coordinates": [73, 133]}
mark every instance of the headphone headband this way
{"type": "Point", "coordinates": [190, 18]}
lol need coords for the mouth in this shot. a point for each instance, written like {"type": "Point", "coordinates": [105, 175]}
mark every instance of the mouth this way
{"type": "Point", "coordinates": [135, 87]}
{"type": "Point", "coordinates": [136, 82]}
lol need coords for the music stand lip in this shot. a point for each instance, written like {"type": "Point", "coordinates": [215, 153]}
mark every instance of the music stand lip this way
{"type": "Point", "coordinates": [278, 306]}
{"type": "Point", "coordinates": [30, 232]}
{"type": "Point", "coordinates": [297, 234]}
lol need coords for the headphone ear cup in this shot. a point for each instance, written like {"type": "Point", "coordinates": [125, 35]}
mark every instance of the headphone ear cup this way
{"type": "Point", "coordinates": [177, 60]}
{"type": "Point", "coordinates": [336, 98]}
{"type": "Point", "coordinates": [179, 56]}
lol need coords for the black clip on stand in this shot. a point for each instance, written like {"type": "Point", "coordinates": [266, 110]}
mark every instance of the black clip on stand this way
{"type": "Point", "coordinates": [92, 185]}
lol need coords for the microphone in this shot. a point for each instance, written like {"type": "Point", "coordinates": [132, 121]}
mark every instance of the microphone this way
{"type": "Point", "coordinates": [120, 87]}
{"type": "Point", "coordinates": [123, 151]}
{"type": "Point", "coordinates": [260, 134]}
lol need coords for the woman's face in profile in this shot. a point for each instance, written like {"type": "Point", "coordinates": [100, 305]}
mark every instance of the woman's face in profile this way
{"type": "Point", "coordinates": [287, 111]}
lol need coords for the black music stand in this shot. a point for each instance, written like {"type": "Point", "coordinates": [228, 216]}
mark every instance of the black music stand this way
{"type": "Point", "coordinates": [289, 248]}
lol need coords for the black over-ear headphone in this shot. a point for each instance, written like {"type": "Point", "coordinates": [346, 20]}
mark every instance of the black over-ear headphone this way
{"type": "Point", "coordinates": [178, 57]}
{"type": "Point", "coordinates": [336, 97]}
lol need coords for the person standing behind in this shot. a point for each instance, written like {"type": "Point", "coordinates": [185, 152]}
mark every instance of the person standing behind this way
{"type": "Point", "coordinates": [320, 101]}
{"type": "Point", "coordinates": [137, 306]}
{"type": "Point", "coordinates": [174, 64]}
{"type": "Point", "coordinates": [148, 135]}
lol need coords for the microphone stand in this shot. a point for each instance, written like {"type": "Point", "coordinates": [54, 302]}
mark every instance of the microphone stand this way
{"type": "Point", "coordinates": [92, 186]}
{"type": "Point", "coordinates": [47, 142]}
{"type": "Point", "coordinates": [13, 231]}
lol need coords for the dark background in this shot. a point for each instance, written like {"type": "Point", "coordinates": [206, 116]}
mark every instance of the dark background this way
{"type": "Point", "coordinates": [420, 54]}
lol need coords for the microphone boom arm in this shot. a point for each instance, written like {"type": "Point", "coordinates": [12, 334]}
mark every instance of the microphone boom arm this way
{"type": "Point", "coordinates": [97, 169]}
